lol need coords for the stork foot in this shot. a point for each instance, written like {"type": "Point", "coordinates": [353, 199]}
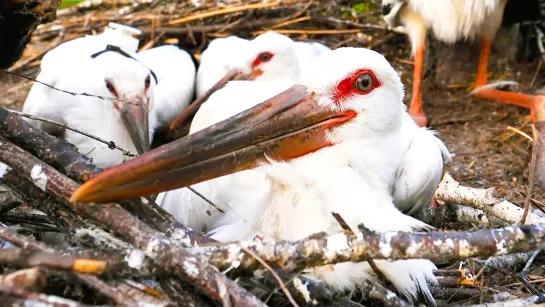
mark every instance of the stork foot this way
{"type": "Point", "coordinates": [536, 104]}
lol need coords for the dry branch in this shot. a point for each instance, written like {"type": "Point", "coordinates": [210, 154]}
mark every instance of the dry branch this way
{"type": "Point", "coordinates": [490, 201]}
{"type": "Point", "coordinates": [26, 257]}
{"type": "Point", "coordinates": [93, 281]}
{"type": "Point", "coordinates": [35, 299]}
{"type": "Point", "coordinates": [66, 158]}
{"type": "Point", "coordinates": [28, 279]}
{"type": "Point", "coordinates": [156, 245]}
{"type": "Point", "coordinates": [527, 302]}
{"type": "Point", "coordinates": [313, 251]}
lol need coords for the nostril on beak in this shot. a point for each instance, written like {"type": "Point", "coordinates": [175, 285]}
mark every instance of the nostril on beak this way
{"type": "Point", "coordinates": [386, 9]}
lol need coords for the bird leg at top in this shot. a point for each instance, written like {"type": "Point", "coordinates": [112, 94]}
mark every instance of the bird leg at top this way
{"type": "Point", "coordinates": [532, 102]}
{"type": "Point", "coordinates": [415, 107]}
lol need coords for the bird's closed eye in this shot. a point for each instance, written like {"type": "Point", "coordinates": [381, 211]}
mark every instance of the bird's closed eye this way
{"type": "Point", "coordinates": [147, 82]}
{"type": "Point", "coordinates": [111, 87]}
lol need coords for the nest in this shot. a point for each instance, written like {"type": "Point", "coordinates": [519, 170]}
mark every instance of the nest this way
{"type": "Point", "coordinates": [132, 252]}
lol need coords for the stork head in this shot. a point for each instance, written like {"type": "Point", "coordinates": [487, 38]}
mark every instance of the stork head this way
{"type": "Point", "coordinates": [390, 11]}
{"type": "Point", "coordinates": [129, 84]}
{"type": "Point", "coordinates": [270, 56]}
{"type": "Point", "coordinates": [347, 94]}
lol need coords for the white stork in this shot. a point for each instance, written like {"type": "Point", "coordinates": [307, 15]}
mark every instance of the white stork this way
{"type": "Point", "coordinates": [452, 20]}
{"type": "Point", "coordinates": [348, 140]}
{"type": "Point", "coordinates": [96, 65]}
{"type": "Point", "coordinates": [175, 71]}
{"type": "Point", "coordinates": [269, 56]}
{"type": "Point", "coordinates": [110, 75]}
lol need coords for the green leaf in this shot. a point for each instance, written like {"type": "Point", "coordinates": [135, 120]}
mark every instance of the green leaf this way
{"type": "Point", "coordinates": [361, 8]}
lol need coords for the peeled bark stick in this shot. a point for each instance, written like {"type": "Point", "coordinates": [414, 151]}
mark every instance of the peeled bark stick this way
{"type": "Point", "coordinates": [291, 256]}
{"type": "Point", "coordinates": [157, 246]}
{"type": "Point", "coordinates": [490, 200]}
{"type": "Point", "coordinates": [66, 158]}
{"type": "Point", "coordinates": [530, 301]}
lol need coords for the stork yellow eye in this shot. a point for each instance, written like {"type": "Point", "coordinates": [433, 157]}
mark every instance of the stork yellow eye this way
{"type": "Point", "coordinates": [364, 83]}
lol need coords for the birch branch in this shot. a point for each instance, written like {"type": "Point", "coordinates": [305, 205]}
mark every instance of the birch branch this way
{"type": "Point", "coordinates": [527, 302]}
{"type": "Point", "coordinates": [157, 246]}
{"type": "Point", "coordinates": [491, 201]}
{"type": "Point", "coordinates": [291, 256]}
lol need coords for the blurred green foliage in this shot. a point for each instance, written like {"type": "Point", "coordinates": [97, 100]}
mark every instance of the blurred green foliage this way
{"type": "Point", "coordinates": [361, 8]}
{"type": "Point", "coordinates": [67, 3]}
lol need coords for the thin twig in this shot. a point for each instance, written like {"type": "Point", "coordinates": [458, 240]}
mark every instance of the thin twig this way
{"type": "Point", "coordinates": [65, 91]}
{"type": "Point", "coordinates": [524, 280]}
{"type": "Point", "coordinates": [226, 11]}
{"type": "Point", "coordinates": [531, 172]}
{"type": "Point", "coordinates": [206, 200]}
{"type": "Point", "coordinates": [110, 144]}
{"type": "Point", "coordinates": [278, 279]}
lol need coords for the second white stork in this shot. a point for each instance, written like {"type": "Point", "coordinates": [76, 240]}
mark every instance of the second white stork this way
{"type": "Point", "coordinates": [452, 20]}
{"type": "Point", "coordinates": [342, 134]}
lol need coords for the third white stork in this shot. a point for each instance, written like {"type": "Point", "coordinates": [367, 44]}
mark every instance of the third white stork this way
{"type": "Point", "coordinates": [343, 133]}
{"type": "Point", "coordinates": [452, 20]}
{"type": "Point", "coordinates": [269, 56]}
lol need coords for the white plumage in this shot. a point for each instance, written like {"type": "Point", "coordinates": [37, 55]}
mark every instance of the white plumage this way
{"type": "Point", "coordinates": [176, 83]}
{"type": "Point", "coordinates": [114, 76]}
{"type": "Point", "coordinates": [89, 114]}
{"type": "Point", "coordinates": [286, 58]}
{"type": "Point", "coordinates": [379, 157]}
{"type": "Point", "coordinates": [450, 20]}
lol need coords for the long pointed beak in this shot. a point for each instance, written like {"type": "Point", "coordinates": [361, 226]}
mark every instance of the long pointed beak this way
{"type": "Point", "coordinates": [180, 125]}
{"type": "Point", "coordinates": [135, 117]}
{"type": "Point", "coordinates": [286, 126]}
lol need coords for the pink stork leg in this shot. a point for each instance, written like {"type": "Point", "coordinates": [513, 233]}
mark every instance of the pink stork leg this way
{"type": "Point", "coordinates": [415, 107]}
{"type": "Point", "coordinates": [531, 102]}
